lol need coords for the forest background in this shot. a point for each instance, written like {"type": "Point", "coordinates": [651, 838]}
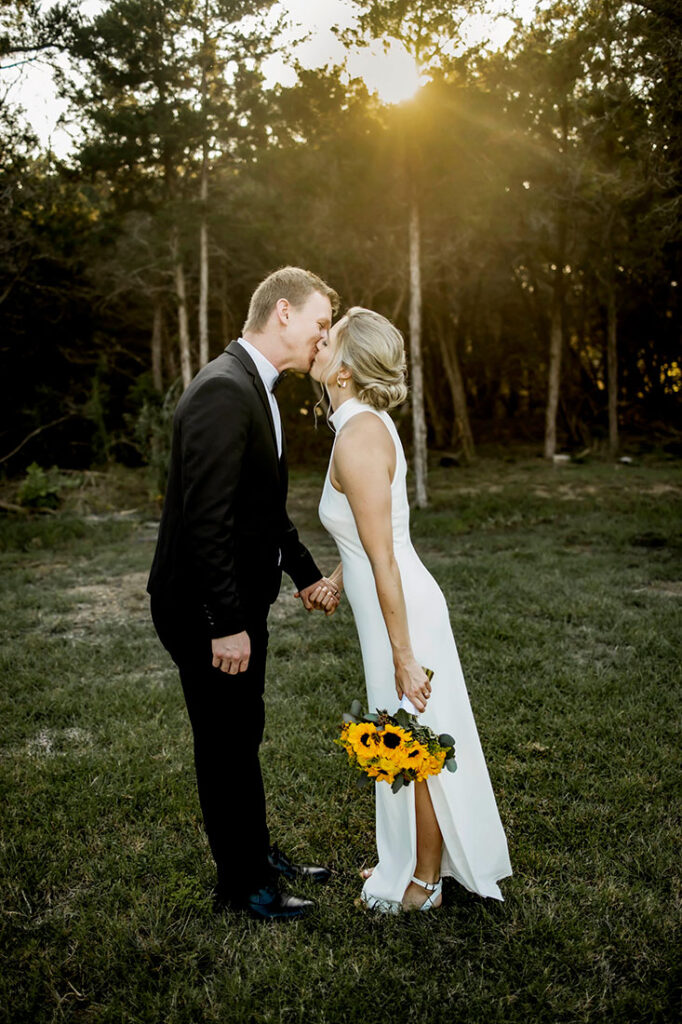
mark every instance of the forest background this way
{"type": "Point", "coordinates": [519, 218]}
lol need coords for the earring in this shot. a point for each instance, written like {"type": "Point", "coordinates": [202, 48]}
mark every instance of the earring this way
{"type": "Point", "coordinates": [340, 383]}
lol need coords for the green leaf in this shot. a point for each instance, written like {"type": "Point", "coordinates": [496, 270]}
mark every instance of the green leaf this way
{"type": "Point", "coordinates": [402, 718]}
{"type": "Point", "coordinates": [349, 718]}
{"type": "Point", "coordinates": [356, 709]}
{"type": "Point", "coordinates": [451, 764]}
{"type": "Point", "coordinates": [398, 784]}
{"type": "Point", "coordinates": [364, 782]}
{"type": "Point", "coordinates": [371, 718]}
{"type": "Point", "coordinates": [446, 740]}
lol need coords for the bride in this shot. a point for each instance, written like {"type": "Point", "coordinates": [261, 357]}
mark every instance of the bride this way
{"type": "Point", "coordinates": [448, 825]}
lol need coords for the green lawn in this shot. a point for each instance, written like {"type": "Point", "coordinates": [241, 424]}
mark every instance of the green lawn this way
{"type": "Point", "coordinates": [564, 585]}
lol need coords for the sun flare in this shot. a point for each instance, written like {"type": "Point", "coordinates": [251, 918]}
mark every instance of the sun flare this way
{"type": "Point", "coordinates": [392, 73]}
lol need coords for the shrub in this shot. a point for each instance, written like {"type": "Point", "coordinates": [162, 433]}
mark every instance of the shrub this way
{"type": "Point", "coordinates": [40, 488]}
{"type": "Point", "coordinates": [151, 427]}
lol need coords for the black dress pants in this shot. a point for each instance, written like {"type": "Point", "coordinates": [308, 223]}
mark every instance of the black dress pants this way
{"type": "Point", "coordinates": [227, 715]}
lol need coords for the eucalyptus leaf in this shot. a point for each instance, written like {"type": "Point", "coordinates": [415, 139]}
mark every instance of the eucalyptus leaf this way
{"type": "Point", "coordinates": [402, 718]}
{"type": "Point", "coordinates": [356, 709]}
{"type": "Point", "coordinates": [371, 718]}
{"type": "Point", "coordinates": [451, 765]}
{"type": "Point", "coordinates": [398, 784]}
{"type": "Point", "coordinates": [446, 740]}
{"type": "Point", "coordinates": [364, 782]}
{"type": "Point", "coordinates": [349, 718]}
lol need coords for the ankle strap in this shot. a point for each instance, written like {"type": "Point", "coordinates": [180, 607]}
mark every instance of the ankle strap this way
{"type": "Point", "coordinates": [429, 886]}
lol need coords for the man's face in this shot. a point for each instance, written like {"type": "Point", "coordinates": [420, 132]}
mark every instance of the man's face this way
{"type": "Point", "coordinates": [306, 327]}
{"type": "Point", "coordinates": [325, 353]}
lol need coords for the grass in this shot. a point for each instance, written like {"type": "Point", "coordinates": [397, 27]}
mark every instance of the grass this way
{"type": "Point", "coordinates": [564, 587]}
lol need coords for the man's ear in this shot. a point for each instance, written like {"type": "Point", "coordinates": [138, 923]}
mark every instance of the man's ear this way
{"type": "Point", "coordinates": [282, 307]}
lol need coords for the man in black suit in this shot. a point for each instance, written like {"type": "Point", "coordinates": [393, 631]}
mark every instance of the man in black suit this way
{"type": "Point", "coordinates": [224, 540]}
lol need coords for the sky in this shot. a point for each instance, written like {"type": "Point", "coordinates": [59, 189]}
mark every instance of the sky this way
{"type": "Point", "coordinates": [392, 75]}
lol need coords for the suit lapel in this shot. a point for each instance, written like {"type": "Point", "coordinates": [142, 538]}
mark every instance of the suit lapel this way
{"type": "Point", "coordinates": [240, 353]}
{"type": "Point", "coordinates": [283, 467]}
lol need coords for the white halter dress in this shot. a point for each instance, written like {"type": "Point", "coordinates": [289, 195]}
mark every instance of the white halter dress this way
{"type": "Point", "coordinates": [474, 843]}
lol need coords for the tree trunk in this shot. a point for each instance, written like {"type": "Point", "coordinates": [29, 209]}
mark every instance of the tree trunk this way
{"type": "Point", "coordinates": [612, 360]}
{"type": "Point", "coordinates": [556, 337]}
{"type": "Point", "coordinates": [434, 414]}
{"type": "Point", "coordinates": [524, 392]}
{"type": "Point", "coordinates": [203, 225]}
{"type": "Point", "coordinates": [453, 372]}
{"type": "Point", "coordinates": [556, 327]}
{"type": "Point", "coordinates": [183, 325]}
{"type": "Point", "coordinates": [225, 318]}
{"type": "Point", "coordinates": [157, 344]}
{"type": "Point", "coordinates": [203, 272]}
{"type": "Point", "coordinates": [416, 367]}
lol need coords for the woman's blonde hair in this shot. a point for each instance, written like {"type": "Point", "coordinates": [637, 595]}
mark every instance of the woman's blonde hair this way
{"type": "Point", "coordinates": [373, 350]}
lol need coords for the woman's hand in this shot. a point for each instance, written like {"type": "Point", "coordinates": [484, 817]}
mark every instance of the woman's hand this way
{"type": "Point", "coordinates": [412, 682]}
{"type": "Point", "coordinates": [323, 596]}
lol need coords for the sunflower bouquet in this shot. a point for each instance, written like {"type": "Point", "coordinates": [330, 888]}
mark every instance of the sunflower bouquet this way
{"type": "Point", "coordinates": [394, 748]}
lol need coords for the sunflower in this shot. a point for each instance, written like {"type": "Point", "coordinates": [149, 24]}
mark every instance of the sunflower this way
{"type": "Point", "coordinates": [360, 739]}
{"type": "Point", "coordinates": [393, 737]}
{"type": "Point", "coordinates": [431, 765]}
{"type": "Point", "coordinates": [382, 769]}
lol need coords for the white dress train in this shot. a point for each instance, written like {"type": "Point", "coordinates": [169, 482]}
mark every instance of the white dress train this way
{"type": "Point", "coordinates": [474, 843]}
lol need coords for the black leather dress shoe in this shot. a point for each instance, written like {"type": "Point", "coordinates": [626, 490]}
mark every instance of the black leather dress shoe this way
{"type": "Point", "coordinates": [279, 862]}
{"type": "Point", "coordinates": [268, 904]}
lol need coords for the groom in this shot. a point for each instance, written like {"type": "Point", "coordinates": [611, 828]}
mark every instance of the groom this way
{"type": "Point", "coordinates": [224, 540]}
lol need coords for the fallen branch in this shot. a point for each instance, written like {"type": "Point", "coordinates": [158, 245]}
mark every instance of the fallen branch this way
{"type": "Point", "coordinates": [33, 433]}
{"type": "Point", "coordinates": [9, 506]}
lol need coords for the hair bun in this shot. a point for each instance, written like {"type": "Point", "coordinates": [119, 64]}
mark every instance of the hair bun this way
{"type": "Point", "coordinates": [384, 395]}
{"type": "Point", "coordinates": [373, 349]}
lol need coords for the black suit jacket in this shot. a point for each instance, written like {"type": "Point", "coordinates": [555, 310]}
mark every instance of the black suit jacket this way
{"type": "Point", "coordinates": [224, 520]}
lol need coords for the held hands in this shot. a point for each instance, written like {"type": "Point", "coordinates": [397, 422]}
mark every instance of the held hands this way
{"type": "Point", "coordinates": [231, 653]}
{"type": "Point", "coordinates": [412, 682]}
{"type": "Point", "coordinates": [324, 596]}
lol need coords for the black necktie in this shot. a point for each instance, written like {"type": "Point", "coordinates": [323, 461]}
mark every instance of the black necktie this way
{"type": "Point", "coordinates": [278, 381]}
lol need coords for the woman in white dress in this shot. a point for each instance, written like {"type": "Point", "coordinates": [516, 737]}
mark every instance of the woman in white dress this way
{"type": "Point", "coordinates": [448, 825]}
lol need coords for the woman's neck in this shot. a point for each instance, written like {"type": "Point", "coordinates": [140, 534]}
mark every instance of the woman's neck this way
{"type": "Point", "coordinates": [338, 396]}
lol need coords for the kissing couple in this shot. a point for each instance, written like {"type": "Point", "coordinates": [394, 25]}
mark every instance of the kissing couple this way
{"type": "Point", "coordinates": [224, 540]}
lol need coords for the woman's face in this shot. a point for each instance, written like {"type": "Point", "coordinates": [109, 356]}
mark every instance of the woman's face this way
{"type": "Point", "coordinates": [325, 354]}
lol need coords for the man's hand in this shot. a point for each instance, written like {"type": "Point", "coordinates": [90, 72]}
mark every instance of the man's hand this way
{"type": "Point", "coordinates": [231, 653]}
{"type": "Point", "coordinates": [322, 595]}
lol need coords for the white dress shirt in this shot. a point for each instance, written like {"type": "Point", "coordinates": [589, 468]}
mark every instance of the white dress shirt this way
{"type": "Point", "coordinates": [268, 374]}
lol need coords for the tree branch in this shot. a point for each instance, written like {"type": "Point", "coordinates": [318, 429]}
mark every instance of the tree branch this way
{"type": "Point", "coordinates": [33, 433]}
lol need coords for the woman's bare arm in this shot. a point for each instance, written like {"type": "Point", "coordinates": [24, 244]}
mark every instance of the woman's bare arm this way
{"type": "Point", "coordinates": [363, 467]}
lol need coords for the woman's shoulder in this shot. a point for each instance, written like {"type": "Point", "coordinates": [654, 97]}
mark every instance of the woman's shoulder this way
{"type": "Point", "coordinates": [366, 425]}
{"type": "Point", "coordinates": [364, 440]}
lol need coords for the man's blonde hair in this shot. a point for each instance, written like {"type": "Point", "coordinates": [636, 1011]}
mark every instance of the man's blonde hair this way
{"type": "Point", "coordinates": [291, 283]}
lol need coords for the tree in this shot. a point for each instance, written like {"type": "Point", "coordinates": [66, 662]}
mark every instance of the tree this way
{"type": "Point", "coordinates": [159, 102]}
{"type": "Point", "coordinates": [424, 28]}
{"type": "Point", "coordinates": [27, 30]}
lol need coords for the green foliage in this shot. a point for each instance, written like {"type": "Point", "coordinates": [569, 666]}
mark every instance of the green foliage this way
{"type": "Point", "coordinates": [40, 487]}
{"type": "Point", "coordinates": [547, 172]}
{"type": "Point", "coordinates": [151, 427]}
{"type": "Point", "coordinates": [96, 409]}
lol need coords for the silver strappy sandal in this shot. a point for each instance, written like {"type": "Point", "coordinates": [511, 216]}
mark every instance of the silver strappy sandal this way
{"type": "Point", "coordinates": [434, 888]}
{"type": "Point", "coordinates": [381, 906]}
